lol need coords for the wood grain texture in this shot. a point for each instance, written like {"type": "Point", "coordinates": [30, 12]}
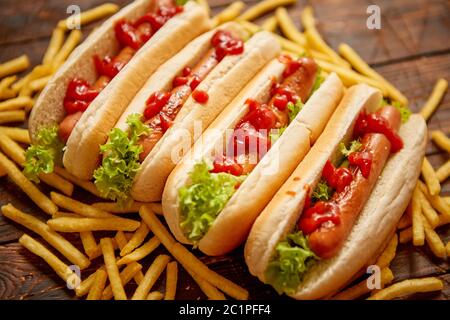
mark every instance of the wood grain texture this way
{"type": "Point", "coordinates": [411, 50]}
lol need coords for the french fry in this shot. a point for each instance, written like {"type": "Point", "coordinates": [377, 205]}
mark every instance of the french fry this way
{"type": "Point", "coordinates": [405, 220]}
{"type": "Point", "coordinates": [437, 202]}
{"type": "Point", "coordinates": [61, 214]}
{"type": "Point", "coordinates": [126, 275]}
{"type": "Point", "coordinates": [205, 5]}
{"type": "Point", "coordinates": [171, 281]}
{"type": "Point", "coordinates": [86, 185]}
{"type": "Point", "coordinates": [92, 224]}
{"type": "Point", "coordinates": [17, 86]}
{"type": "Point", "coordinates": [5, 91]}
{"type": "Point", "coordinates": [270, 24]}
{"type": "Point", "coordinates": [155, 295]}
{"type": "Point", "coordinates": [57, 182]}
{"type": "Point", "coordinates": [136, 240]}
{"type": "Point", "coordinates": [384, 260]}
{"type": "Point", "coordinates": [150, 277]}
{"type": "Point", "coordinates": [39, 84]}
{"type": "Point", "coordinates": [435, 98]}
{"type": "Point", "coordinates": [85, 285]}
{"type": "Point", "coordinates": [430, 178]}
{"type": "Point", "coordinates": [361, 288]}
{"type": "Point", "coordinates": [97, 287]}
{"type": "Point", "coordinates": [61, 269]}
{"type": "Point", "coordinates": [407, 287]}
{"type": "Point", "coordinates": [16, 103]}
{"type": "Point", "coordinates": [14, 66]}
{"type": "Point", "coordinates": [98, 250]}
{"type": "Point", "coordinates": [443, 172]}
{"type": "Point", "coordinates": [12, 116]}
{"type": "Point", "coordinates": [7, 94]}
{"type": "Point", "coordinates": [441, 140]}
{"type": "Point", "coordinates": [434, 242]}
{"type": "Point", "coordinates": [71, 42]}
{"type": "Point", "coordinates": [113, 207]}
{"type": "Point", "coordinates": [417, 224]}
{"type": "Point", "coordinates": [41, 200]}
{"type": "Point", "coordinates": [89, 243]}
{"type": "Point", "coordinates": [307, 18]}
{"type": "Point", "coordinates": [361, 66]}
{"type": "Point", "coordinates": [54, 239]}
{"type": "Point", "coordinates": [187, 259]}
{"type": "Point", "coordinates": [78, 207]}
{"type": "Point", "coordinates": [405, 235]}
{"type": "Point", "coordinates": [55, 45]}
{"type": "Point", "coordinates": [262, 7]}
{"type": "Point", "coordinates": [350, 77]}
{"type": "Point", "coordinates": [16, 134]}
{"type": "Point", "coordinates": [89, 16]}
{"type": "Point", "coordinates": [141, 252]}
{"type": "Point", "coordinates": [112, 269]}
{"type": "Point", "coordinates": [38, 72]}
{"type": "Point", "coordinates": [208, 289]}
{"type": "Point", "coordinates": [427, 210]}
{"type": "Point", "coordinates": [122, 241]}
{"type": "Point", "coordinates": [229, 13]}
{"type": "Point", "coordinates": [288, 27]}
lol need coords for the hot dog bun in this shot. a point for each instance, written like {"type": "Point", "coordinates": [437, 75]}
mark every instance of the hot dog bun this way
{"type": "Point", "coordinates": [234, 221]}
{"type": "Point", "coordinates": [379, 215]}
{"type": "Point", "coordinates": [223, 83]}
{"type": "Point", "coordinates": [80, 157]}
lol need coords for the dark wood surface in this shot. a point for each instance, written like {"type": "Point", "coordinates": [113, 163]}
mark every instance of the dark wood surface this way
{"type": "Point", "coordinates": [411, 50]}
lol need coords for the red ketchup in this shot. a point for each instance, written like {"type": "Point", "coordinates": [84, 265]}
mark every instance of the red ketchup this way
{"type": "Point", "coordinates": [228, 165]}
{"type": "Point", "coordinates": [337, 178]}
{"type": "Point", "coordinates": [225, 44]}
{"type": "Point", "coordinates": [321, 213]}
{"type": "Point", "coordinates": [374, 123]}
{"type": "Point", "coordinates": [79, 95]}
{"type": "Point", "coordinates": [363, 160]}
{"type": "Point", "coordinates": [200, 96]}
{"type": "Point", "coordinates": [155, 103]}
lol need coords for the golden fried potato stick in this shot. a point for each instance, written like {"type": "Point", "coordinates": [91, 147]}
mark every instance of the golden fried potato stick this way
{"type": "Point", "coordinates": [55, 45]}
{"type": "Point", "coordinates": [14, 66]}
{"type": "Point", "coordinates": [86, 185]}
{"type": "Point", "coordinates": [208, 289]}
{"type": "Point", "coordinates": [150, 277]}
{"type": "Point", "coordinates": [384, 260]}
{"type": "Point", "coordinates": [61, 269]}
{"type": "Point", "coordinates": [78, 207]}
{"type": "Point", "coordinates": [16, 103]}
{"type": "Point", "coordinates": [427, 210]}
{"type": "Point", "coordinates": [155, 295]}
{"type": "Point", "coordinates": [361, 288]}
{"type": "Point", "coordinates": [437, 202]}
{"type": "Point", "coordinates": [430, 178]}
{"type": "Point", "coordinates": [435, 98]}
{"type": "Point", "coordinates": [262, 7]}
{"type": "Point", "coordinates": [89, 243]}
{"type": "Point", "coordinates": [23, 85]}
{"type": "Point", "coordinates": [417, 224]}
{"type": "Point", "coordinates": [113, 207]}
{"type": "Point", "coordinates": [171, 280]}
{"type": "Point", "coordinates": [71, 42]}
{"type": "Point", "coordinates": [270, 24]}
{"type": "Point", "coordinates": [141, 252]}
{"type": "Point", "coordinates": [89, 16]}
{"type": "Point", "coordinates": [228, 14]}
{"type": "Point", "coordinates": [407, 287]}
{"type": "Point", "coordinates": [53, 238]}
{"type": "Point", "coordinates": [187, 259]}
{"type": "Point", "coordinates": [39, 84]}
{"type": "Point", "coordinates": [12, 116]}
{"type": "Point", "coordinates": [16, 134]}
{"type": "Point", "coordinates": [121, 239]}
{"type": "Point", "coordinates": [135, 241]}
{"type": "Point", "coordinates": [40, 199]}
{"type": "Point", "coordinates": [443, 172]}
{"type": "Point", "coordinates": [126, 275]}
{"type": "Point", "coordinates": [92, 224]}
{"type": "Point", "coordinates": [361, 66]}
{"type": "Point", "coordinates": [97, 287]}
{"type": "Point", "coordinates": [112, 269]}
{"type": "Point", "coordinates": [288, 27]}
{"type": "Point", "coordinates": [441, 140]}
{"type": "Point", "coordinates": [434, 242]}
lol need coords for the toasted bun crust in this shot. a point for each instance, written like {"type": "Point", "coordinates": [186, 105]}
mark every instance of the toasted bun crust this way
{"type": "Point", "coordinates": [49, 109]}
{"type": "Point", "coordinates": [81, 157]}
{"type": "Point", "coordinates": [232, 225]}
{"type": "Point", "coordinates": [222, 85]}
{"type": "Point", "coordinates": [375, 222]}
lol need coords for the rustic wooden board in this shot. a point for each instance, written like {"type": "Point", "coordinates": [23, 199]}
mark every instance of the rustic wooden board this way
{"type": "Point", "coordinates": [411, 50]}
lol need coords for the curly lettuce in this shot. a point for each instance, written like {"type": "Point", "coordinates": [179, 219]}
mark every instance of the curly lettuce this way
{"type": "Point", "coordinates": [42, 156]}
{"type": "Point", "coordinates": [204, 198]}
{"type": "Point", "coordinates": [181, 2]}
{"type": "Point", "coordinates": [405, 112]}
{"type": "Point", "coordinates": [294, 109]}
{"type": "Point", "coordinates": [114, 178]}
{"type": "Point", "coordinates": [318, 81]}
{"type": "Point", "coordinates": [355, 146]}
{"type": "Point", "coordinates": [322, 192]}
{"type": "Point", "coordinates": [292, 259]}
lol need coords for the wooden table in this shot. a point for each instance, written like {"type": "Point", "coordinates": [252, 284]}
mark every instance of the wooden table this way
{"type": "Point", "coordinates": [411, 50]}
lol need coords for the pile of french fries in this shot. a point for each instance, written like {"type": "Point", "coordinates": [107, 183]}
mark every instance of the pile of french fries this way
{"type": "Point", "coordinates": [134, 240]}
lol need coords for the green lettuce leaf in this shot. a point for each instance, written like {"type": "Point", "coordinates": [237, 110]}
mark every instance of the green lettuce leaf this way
{"type": "Point", "coordinates": [355, 146]}
{"type": "Point", "coordinates": [42, 156]}
{"type": "Point", "coordinates": [276, 134]}
{"type": "Point", "coordinates": [405, 112]}
{"type": "Point", "coordinates": [322, 192]}
{"type": "Point", "coordinates": [318, 81]}
{"type": "Point", "coordinates": [294, 109]}
{"type": "Point", "coordinates": [114, 178]}
{"type": "Point", "coordinates": [203, 199]}
{"type": "Point", "coordinates": [292, 259]}
{"type": "Point", "coordinates": [181, 2]}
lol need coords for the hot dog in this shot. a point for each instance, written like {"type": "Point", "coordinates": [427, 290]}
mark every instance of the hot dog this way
{"type": "Point", "coordinates": [333, 213]}
{"type": "Point", "coordinates": [194, 86]}
{"type": "Point", "coordinates": [214, 194]}
{"type": "Point", "coordinates": [87, 95]}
